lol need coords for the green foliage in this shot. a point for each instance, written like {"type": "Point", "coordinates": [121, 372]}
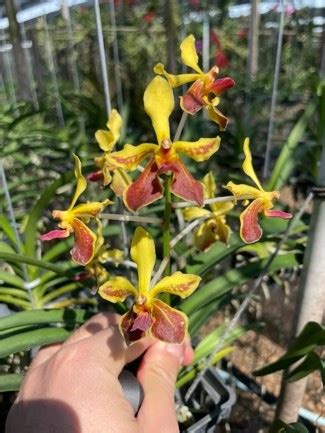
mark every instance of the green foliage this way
{"type": "Point", "coordinates": [281, 427]}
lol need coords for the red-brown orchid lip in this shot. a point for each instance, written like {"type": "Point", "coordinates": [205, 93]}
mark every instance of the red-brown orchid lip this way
{"type": "Point", "coordinates": [221, 85]}
{"type": "Point", "coordinates": [96, 176]}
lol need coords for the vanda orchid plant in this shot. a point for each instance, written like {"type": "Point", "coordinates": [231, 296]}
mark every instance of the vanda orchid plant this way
{"type": "Point", "coordinates": [163, 176]}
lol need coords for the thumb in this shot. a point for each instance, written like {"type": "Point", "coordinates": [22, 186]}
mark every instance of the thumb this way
{"type": "Point", "coordinates": [157, 375]}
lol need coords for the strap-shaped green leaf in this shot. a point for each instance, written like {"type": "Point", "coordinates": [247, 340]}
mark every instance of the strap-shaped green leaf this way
{"type": "Point", "coordinates": [10, 382]}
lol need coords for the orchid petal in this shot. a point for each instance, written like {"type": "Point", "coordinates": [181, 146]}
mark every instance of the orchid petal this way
{"type": "Point", "coordinates": [81, 181]}
{"type": "Point", "coordinates": [95, 176]}
{"type": "Point", "coordinates": [277, 213]}
{"type": "Point", "coordinates": [55, 234]}
{"type": "Point", "coordinates": [184, 185]}
{"type": "Point", "coordinates": [159, 103]}
{"type": "Point", "coordinates": [179, 284]}
{"type": "Point", "coordinates": [216, 116]}
{"type": "Point", "coordinates": [248, 166]}
{"type": "Point", "coordinates": [210, 185]}
{"type": "Point", "coordinates": [222, 208]}
{"type": "Point", "coordinates": [250, 230]}
{"type": "Point", "coordinates": [189, 55]}
{"type": "Point", "coordinates": [117, 289]}
{"type": "Point", "coordinates": [243, 191]}
{"type": "Point", "coordinates": [212, 230]}
{"type": "Point", "coordinates": [217, 87]}
{"type": "Point", "coordinates": [169, 324]}
{"type": "Point", "coordinates": [145, 190]}
{"type": "Point", "coordinates": [192, 213]}
{"type": "Point", "coordinates": [84, 243]}
{"type": "Point", "coordinates": [192, 101]}
{"type": "Point", "coordinates": [144, 255]}
{"type": "Point", "coordinates": [175, 80]}
{"type": "Point", "coordinates": [89, 210]}
{"type": "Point", "coordinates": [131, 156]}
{"type": "Point", "coordinates": [121, 180]}
{"type": "Point", "coordinates": [200, 150]}
{"type": "Point", "coordinates": [126, 326]}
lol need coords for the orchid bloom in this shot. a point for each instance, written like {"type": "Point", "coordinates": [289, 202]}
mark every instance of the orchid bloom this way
{"type": "Point", "coordinates": [214, 227]}
{"type": "Point", "coordinates": [250, 230]}
{"type": "Point", "coordinates": [206, 89]}
{"type": "Point", "coordinates": [149, 315]}
{"type": "Point", "coordinates": [73, 221]}
{"type": "Point", "coordinates": [107, 141]}
{"type": "Point", "coordinates": [159, 104]}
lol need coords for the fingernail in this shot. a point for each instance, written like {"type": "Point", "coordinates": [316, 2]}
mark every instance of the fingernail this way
{"type": "Point", "coordinates": [177, 350]}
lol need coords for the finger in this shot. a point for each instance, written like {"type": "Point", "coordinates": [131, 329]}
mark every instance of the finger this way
{"type": "Point", "coordinates": [188, 353]}
{"type": "Point", "coordinates": [157, 375]}
{"type": "Point", "coordinates": [44, 354]}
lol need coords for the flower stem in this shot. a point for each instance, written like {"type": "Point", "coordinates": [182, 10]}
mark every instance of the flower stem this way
{"type": "Point", "coordinates": [166, 222]}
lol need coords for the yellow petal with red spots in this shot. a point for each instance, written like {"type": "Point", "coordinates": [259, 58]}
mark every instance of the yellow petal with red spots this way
{"type": "Point", "coordinates": [179, 284]}
{"type": "Point", "coordinates": [131, 156]}
{"type": "Point", "coordinates": [243, 191]}
{"type": "Point", "coordinates": [89, 210]}
{"type": "Point", "coordinates": [158, 101]}
{"type": "Point", "coordinates": [192, 213]}
{"type": "Point", "coordinates": [200, 150]}
{"type": "Point", "coordinates": [250, 230]}
{"type": "Point", "coordinates": [81, 181]}
{"type": "Point", "coordinates": [84, 243]}
{"type": "Point", "coordinates": [144, 255]}
{"type": "Point", "coordinates": [175, 80]}
{"type": "Point", "coordinates": [169, 324]}
{"type": "Point", "coordinates": [210, 185]}
{"type": "Point", "coordinates": [248, 165]}
{"type": "Point", "coordinates": [189, 55]}
{"type": "Point", "coordinates": [117, 289]}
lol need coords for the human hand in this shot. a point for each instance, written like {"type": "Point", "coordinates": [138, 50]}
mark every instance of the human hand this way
{"type": "Point", "coordinates": [73, 387]}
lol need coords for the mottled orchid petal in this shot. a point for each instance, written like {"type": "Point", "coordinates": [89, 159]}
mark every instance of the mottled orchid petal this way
{"type": "Point", "coordinates": [192, 101]}
{"type": "Point", "coordinates": [189, 55]}
{"type": "Point", "coordinates": [210, 185]}
{"type": "Point", "coordinates": [158, 101]}
{"type": "Point", "coordinates": [216, 116]}
{"type": "Point", "coordinates": [130, 156]}
{"type": "Point", "coordinates": [175, 80]}
{"type": "Point", "coordinates": [89, 210]}
{"type": "Point", "coordinates": [126, 326]}
{"type": "Point", "coordinates": [248, 165]}
{"type": "Point", "coordinates": [169, 324]}
{"type": "Point", "coordinates": [192, 213]}
{"type": "Point", "coordinates": [55, 234]}
{"type": "Point", "coordinates": [241, 191]}
{"type": "Point", "coordinates": [145, 190]}
{"type": "Point", "coordinates": [120, 181]}
{"type": "Point", "coordinates": [250, 230]}
{"type": "Point", "coordinates": [277, 213]}
{"type": "Point", "coordinates": [217, 87]}
{"type": "Point", "coordinates": [117, 289]}
{"type": "Point", "coordinates": [206, 235]}
{"type": "Point", "coordinates": [182, 285]}
{"type": "Point", "coordinates": [95, 176]}
{"type": "Point", "coordinates": [84, 243]}
{"type": "Point", "coordinates": [142, 322]}
{"type": "Point", "coordinates": [81, 181]}
{"type": "Point", "coordinates": [144, 255]}
{"type": "Point", "coordinates": [184, 185]}
{"type": "Point", "coordinates": [200, 150]}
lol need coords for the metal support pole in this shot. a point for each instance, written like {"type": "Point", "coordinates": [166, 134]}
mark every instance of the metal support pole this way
{"type": "Point", "coordinates": [206, 42]}
{"type": "Point", "coordinates": [117, 69]}
{"type": "Point", "coordinates": [102, 57]}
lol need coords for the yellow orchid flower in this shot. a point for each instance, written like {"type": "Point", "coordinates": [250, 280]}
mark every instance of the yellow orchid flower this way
{"type": "Point", "coordinates": [250, 230]}
{"type": "Point", "coordinates": [214, 227]}
{"type": "Point", "coordinates": [107, 141]}
{"type": "Point", "coordinates": [149, 315]}
{"type": "Point", "coordinates": [206, 89]}
{"type": "Point", "coordinates": [73, 221]}
{"type": "Point", "coordinates": [159, 104]}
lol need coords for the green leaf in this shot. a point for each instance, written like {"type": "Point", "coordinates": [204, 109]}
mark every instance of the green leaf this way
{"type": "Point", "coordinates": [287, 159]}
{"type": "Point", "coordinates": [11, 279]}
{"type": "Point", "coordinates": [231, 279]}
{"type": "Point", "coordinates": [29, 339]}
{"type": "Point", "coordinates": [31, 261]}
{"type": "Point", "coordinates": [10, 382]}
{"type": "Point", "coordinates": [66, 316]}
{"type": "Point", "coordinates": [280, 427]}
{"type": "Point", "coordinates": [8, 230]}
{"type": "Point", "coordinates": [311, 363]}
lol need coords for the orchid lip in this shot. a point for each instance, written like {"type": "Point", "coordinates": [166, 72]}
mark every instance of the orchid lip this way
{"type": "Point", "coordinates": [141, 299]}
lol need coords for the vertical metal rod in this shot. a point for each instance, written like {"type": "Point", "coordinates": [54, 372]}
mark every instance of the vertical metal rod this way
{"type": "Point", "coordinates": [117, 67]}
{"type": "Point", "coordinates": [52, 69]}
{"type": "Point", "coordinates": [206, 43]}
{"type": "Point", "coordinates": [2, 85]}
{"type": "Point", "coordinates": [29, 68]}
{"type": "Point", "coordinates": [102, 57]}
{"type": "Point", "coordinates": [274, 92]}
{"type": "Point", "coordinates": [3, 182]}
{"type": "Point", "coordinates": [10, 78]}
